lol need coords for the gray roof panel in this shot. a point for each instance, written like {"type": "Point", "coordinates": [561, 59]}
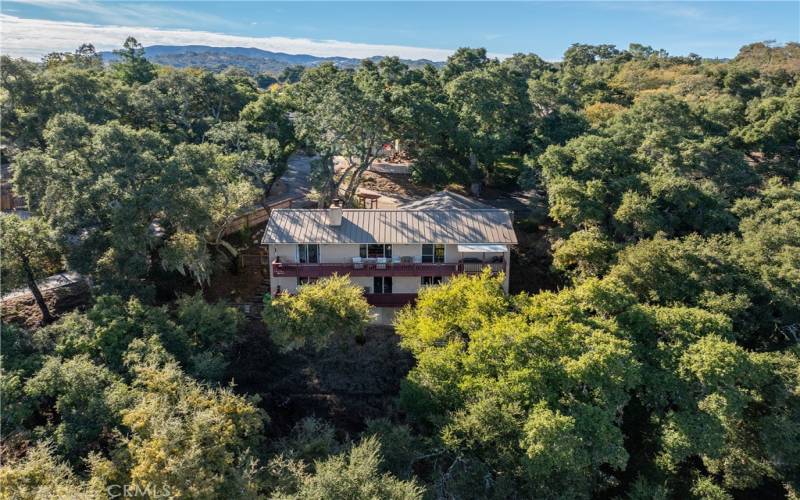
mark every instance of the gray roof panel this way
{"type": "Point", "coordinates": [445, 200]}
{"type": "Point", "coordinates": [288, 225]}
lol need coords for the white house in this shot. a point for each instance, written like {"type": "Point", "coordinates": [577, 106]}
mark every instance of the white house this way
{"type": "Point", "coordinates": [390, 253]}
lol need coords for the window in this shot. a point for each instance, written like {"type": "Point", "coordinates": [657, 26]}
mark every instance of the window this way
{"type": "Point", "coordinates": [308, 254]}
{"type": "Point", "coordinates": [375, 250]}
{"type": "Point", "coordinates": [433, 253]}
{"type": "Point", "coordinates": [431, 280]}
{"type": "Point", "coordinates": [304, 280]}
{"type": "Point", "coordinates": [382, 284]}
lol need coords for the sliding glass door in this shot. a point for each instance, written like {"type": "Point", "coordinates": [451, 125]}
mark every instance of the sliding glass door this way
{"type": "Point", "coordinates": [308, 254]}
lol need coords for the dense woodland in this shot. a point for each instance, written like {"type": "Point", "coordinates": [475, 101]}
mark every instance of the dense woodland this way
{"type": "Point", "coordinates": [665, 364]}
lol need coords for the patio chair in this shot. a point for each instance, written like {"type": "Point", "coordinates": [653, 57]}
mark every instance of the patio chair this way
{"type": "Point", "coordinates": [358, 263]}
{"type": "Point", "coordinates": [380, 263]}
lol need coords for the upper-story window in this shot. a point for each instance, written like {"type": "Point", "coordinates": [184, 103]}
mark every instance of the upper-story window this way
{"type": "Point", "coordinates": [375, 251]}
{"type": "Point", "coordinates": [433, 253]}
{"type": "Point", "coordinates": [308, 254]}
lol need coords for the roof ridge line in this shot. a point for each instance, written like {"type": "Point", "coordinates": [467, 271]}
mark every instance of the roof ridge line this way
{"type": "Point", "coordinates": [398, 209]}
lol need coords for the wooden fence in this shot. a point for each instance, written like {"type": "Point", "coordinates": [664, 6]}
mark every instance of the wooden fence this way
{"type": "Point", "coordinates": [253, 260]}
{"type": "Point", "coordinates": [255, 217]}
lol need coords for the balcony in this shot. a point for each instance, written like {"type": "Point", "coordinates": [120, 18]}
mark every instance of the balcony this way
{"type": "Point", "coordinates": [476, 267]}
{"type": "Point", "coordinates": [370, 267]}
{"type": "Point", "coordinates": [367, 268]}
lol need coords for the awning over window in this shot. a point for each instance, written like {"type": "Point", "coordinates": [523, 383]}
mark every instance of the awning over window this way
{"type": "Point", "coordinates": [483, 248]}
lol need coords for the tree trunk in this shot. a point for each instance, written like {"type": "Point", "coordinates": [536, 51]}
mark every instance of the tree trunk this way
{"type": "Point", "coordinates": [364, 163]}
{"type": "Point", "coordinates": [230, 253]}
{"type": "Point", "coordinates": [47, 318]}
{"type": "Point", "coordinates": [352, 187]}
{"type": "Point", "coordinates": [278, 170]}
{"type": "Point", "coordinates": [477, 181]}
{"type": "Point", "coordinates": [331, 187]}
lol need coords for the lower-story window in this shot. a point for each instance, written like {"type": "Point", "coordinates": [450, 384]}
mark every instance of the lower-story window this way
{"type": "Point", "coordinates": [304, 280]}
{"type": "Point", "coordinates": [431, 280]}
{"type": "Point", "coordinates": [382, 284]}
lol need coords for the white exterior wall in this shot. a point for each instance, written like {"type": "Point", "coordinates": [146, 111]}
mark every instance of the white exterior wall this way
{"type": "Point", "coordinates": [406, 250]}
{"type": "Point", "coordinates": [405, 284]}
{"type": "Point", "coordinates": [451, 255]}
{"type": "Point", "coordinates": [287, 253]}
{"type": "Point", "coordinates": [363, 281]}
{"type": "Point", "coordinates": [508, 270]}
{"type": "Point", "coordinates": [338, 254]}
{"type": "Point", "coordinates": [285, 284]}
{"type": "Point", "coordinates": [400, 284]}
{"type": "Point", "coordinates": [344, 253]}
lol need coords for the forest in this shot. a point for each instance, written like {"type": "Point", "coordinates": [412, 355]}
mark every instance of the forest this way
{"type": "Point", "coordinates": [661, 358]}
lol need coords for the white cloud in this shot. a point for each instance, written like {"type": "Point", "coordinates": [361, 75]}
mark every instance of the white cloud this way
{"type": "Point", "coordinates": [33, 38]}
{"type": "Point", "coordinates": [140, 13]}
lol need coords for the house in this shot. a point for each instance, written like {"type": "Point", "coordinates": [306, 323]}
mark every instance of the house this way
{"type": "Point", "coordinates": [390, 253]}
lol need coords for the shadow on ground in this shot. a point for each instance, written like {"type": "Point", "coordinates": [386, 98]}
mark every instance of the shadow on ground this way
{"type": "Point", "coordinates": [344, 384]}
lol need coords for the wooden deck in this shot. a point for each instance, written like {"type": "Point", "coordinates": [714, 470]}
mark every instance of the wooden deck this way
{"type": "Point", "coordinates": [283, 269]}
{"type": "Point", "coordinates": [291, 269]}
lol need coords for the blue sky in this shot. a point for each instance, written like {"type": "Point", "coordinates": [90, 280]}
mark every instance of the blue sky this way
{"type": "Point", "coordinates": [409, 29]}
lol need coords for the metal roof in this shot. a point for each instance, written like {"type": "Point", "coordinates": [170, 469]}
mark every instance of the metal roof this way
{"type": "Point", "coordinates": [481, 248]}
{"type": "Point", "coordinates": [391, 226]}
{"type": "Point", "coordinates": [445, 200]}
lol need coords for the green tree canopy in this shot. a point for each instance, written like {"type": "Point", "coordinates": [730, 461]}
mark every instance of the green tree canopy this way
{"type": "Point", "coordinates": [353, 474]}
{"type": "Point", "coordinates": [541, 387]}
{"type": "Point", "coordinates": [133, 67]}
{"type": "Point", "coordinates": [341, 113]}
{"type": "Point", "coordinates": [88, 401]}
{"type": "Point", "coordinates": [188, 438]}
{"type": "Point", "coordinates": [502, 382]}
{"type": "Point", "coordinates": [330, 309]}
{"type": "Point", "coordinates": [30, 251]}
{"type": "Point", "coordinates": [122, 196]}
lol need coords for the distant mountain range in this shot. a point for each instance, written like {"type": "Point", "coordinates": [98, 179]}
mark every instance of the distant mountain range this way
{"type": "Point", "coordinates": [255, 61]}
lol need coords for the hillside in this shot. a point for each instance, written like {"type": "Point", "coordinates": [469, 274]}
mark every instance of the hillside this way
{"type": "Point", "coordinates": [253, 60]}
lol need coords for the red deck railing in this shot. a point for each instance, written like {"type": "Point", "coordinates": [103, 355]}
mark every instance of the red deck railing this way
{"type": "Point", "coordinates": [477, 267]}
{"type": "Point", "coordinates": [390, 299]}
{"type": "Point", "coordinates": [280, 269]}
{"type": "Point", "coordinates": [289, 269]}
